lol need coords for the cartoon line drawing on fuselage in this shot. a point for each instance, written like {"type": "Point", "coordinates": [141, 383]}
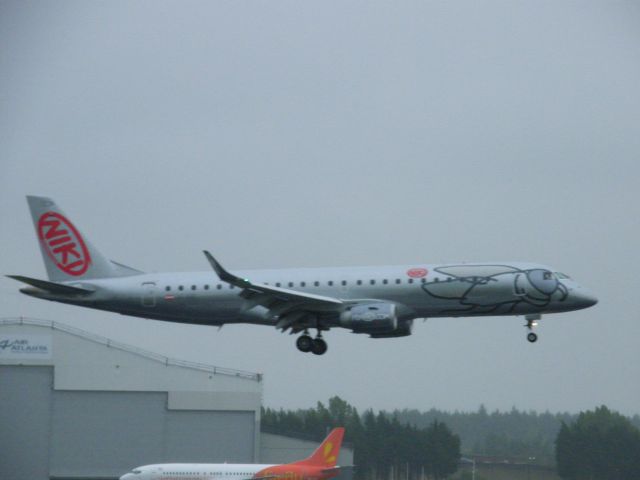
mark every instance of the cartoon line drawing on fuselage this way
{"type": "Point", "coordinates": [464, 288]}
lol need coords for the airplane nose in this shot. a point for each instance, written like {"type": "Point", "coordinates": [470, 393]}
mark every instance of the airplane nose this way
{"type": "Point", "coordinates": [584, 298]}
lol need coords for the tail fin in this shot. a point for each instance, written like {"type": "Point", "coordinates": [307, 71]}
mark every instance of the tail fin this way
{"type": "Point", "coordinates": [66, 252]}
{"type": "Point", "coordinates": [326, 455]}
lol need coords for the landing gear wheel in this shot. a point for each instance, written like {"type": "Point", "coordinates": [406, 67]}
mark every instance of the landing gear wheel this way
{"type": "Point", "coordinates": [319, 346]}
{"type": "Point", "coordinates": [532, 321]}
{"type": "Point", "coordinates": [305, 343]}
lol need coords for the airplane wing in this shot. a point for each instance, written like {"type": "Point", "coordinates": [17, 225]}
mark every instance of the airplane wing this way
{"type": "Point", "coordinates": [291, 307]}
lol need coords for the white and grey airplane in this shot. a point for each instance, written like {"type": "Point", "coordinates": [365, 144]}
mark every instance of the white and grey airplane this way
{"type": "Point", "coordinates": [380, 301]}
{"type": "Point", "coordinates": [320, 465]}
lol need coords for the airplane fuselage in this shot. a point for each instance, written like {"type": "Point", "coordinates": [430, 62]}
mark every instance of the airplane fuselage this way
{"type": "Point", "coordinates": [420, 291]}
{"type": "Point", "coordinates": [224, 471]}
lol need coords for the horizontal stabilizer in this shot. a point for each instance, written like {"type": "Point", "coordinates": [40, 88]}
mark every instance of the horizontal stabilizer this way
{"type": "Point", "coordinates": [52, 287]}
{"type": "Point", "coordinates": [331, 471]}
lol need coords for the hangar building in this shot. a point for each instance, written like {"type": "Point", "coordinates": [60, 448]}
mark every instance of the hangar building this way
{"type": "Point", "coordinates": [76, 405]}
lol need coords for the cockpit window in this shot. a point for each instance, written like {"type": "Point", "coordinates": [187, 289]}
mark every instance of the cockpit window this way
{"type": "Point", "coordinates": [562, 276]}
{"type": "Point", "coordinates": [136, 472]}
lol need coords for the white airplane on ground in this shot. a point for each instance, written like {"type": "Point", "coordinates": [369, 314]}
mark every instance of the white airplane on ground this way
{"type": "Point", "coordinates": [321, 465]}
{"type": "Point", "coordinates": [379, 301]}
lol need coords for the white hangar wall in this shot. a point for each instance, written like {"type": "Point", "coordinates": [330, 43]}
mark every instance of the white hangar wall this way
{"type": "Point", "coordinates": [75, 405]}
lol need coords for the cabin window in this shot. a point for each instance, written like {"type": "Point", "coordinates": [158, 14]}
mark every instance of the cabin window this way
{"type": "Point", "coordinates": [206, 287]}
{"type": "Point", "coordinates": [317, 284]}
{"type": "Point", "coordinates": [411, 280]}
{"type": "Point", "coordinates": [372, 282]}
{"type": "Point", "coordinates": [344, 283]}
{"type": "Point", "coordinates": [398, 281]}
{"type": "Point", "coordinates": [219, 286]}
{"type": "Point", "coordinates": [277, 284]}
{"type": "Point", "coordinates": [168, 289]}
{"type": "Point", "coordinates": [385, 281]}
{"type": "Point", "coordinates": [180, 288]}
{"type": "Point", "coordinates": [423, 280]}
{"type": "Point", "coordinates": [359, 282]}
{"type": "Point", "coordinates": [303, 284]}
{"type": "Point", "coordinates": [193, 287]}
{"type": "Point", "coordinates": [330, 283]}
{"type": "Point", "coordinates": [290, 284]}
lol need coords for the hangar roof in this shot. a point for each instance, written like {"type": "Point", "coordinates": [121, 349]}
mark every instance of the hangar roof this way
{"type": "Point", "coordinates": [85, 361]}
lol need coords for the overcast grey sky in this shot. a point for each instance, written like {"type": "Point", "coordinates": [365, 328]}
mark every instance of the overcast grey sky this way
{"type": "Point", "coordinates": [284, 134]}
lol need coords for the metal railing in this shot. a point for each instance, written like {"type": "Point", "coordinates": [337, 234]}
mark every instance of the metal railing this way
{"type": "Point", "coordinates": [168, 361]}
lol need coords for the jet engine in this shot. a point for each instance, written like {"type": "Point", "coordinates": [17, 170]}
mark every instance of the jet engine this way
{"type": "Point", "coordinates": [371, 318]}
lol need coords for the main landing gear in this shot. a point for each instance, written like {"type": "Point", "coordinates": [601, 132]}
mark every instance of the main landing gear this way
{"type": "Point", "coordinates": [317, 345]}
{"type": "Point", "coordinates": [532, 321]}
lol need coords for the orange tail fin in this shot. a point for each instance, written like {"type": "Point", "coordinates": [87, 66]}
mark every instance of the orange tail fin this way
{"type": "Point", "coordinates": [326, 455]}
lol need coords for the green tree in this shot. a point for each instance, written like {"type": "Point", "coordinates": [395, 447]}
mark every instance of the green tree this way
{"type": "Point", "coordinates": [599, 445]}
{"type": "Point", "coordinates": [443, 450]}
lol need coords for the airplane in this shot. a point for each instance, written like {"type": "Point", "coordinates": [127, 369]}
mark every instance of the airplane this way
{"type": "Point", "coordinates": [382, 302]}
{"type": "Point", "coordinates": [321, 465]}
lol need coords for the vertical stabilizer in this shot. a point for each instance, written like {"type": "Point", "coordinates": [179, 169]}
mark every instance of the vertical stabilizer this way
{"type": "Point", "coordinates": [67, 254]}
{"type": "Point", "coordinates": [326, 455]}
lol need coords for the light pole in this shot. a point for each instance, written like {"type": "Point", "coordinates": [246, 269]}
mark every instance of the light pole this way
{"type": "Point", "coordinates": [529, 460]}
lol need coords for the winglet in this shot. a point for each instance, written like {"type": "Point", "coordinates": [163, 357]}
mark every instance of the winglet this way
{"type": "Point", "coordinates": [224, 275]}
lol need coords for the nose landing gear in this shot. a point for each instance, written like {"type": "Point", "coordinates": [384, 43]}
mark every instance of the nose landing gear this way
{"type": "Point", "coordinates": [317, 345]}
{"type": "Point", "coordinates": [532, 321]}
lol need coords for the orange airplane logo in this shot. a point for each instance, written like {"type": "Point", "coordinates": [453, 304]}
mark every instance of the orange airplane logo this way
{"type": "Point", "coordinates": [321, 465]}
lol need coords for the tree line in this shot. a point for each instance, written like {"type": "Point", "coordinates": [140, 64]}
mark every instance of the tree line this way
{"type": "Point", "coordinates": [410, 444]}
{"type": "Point", "coordinates": [514, 434]}
{"type": "Point", "coordinates": [383, 446]}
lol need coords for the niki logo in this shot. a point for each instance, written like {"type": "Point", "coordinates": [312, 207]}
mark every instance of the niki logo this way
{"type": "Point", "coordinates": [417, 272]}
{"type": "Point", "coordinates": [63, 244]}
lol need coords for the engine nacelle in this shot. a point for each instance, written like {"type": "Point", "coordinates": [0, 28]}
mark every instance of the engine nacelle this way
{"type": "Point", "coordinates": [403, 330]}
{"type": "Point", "coordinates": [372, 318]}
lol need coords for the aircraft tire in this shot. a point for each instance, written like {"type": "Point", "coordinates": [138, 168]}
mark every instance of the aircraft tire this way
{"type": "Point", "coordinates": [319, 347]}
{"type": "Point", "coordinates": [532, 337]}
{"type": "Point", "coordinates": [304, 343]}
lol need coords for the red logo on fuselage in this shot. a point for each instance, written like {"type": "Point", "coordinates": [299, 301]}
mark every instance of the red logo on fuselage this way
{"type": "Point", "coordinates": [63, 244]}
{"type": "Point", "coordinates": [417, 272]}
